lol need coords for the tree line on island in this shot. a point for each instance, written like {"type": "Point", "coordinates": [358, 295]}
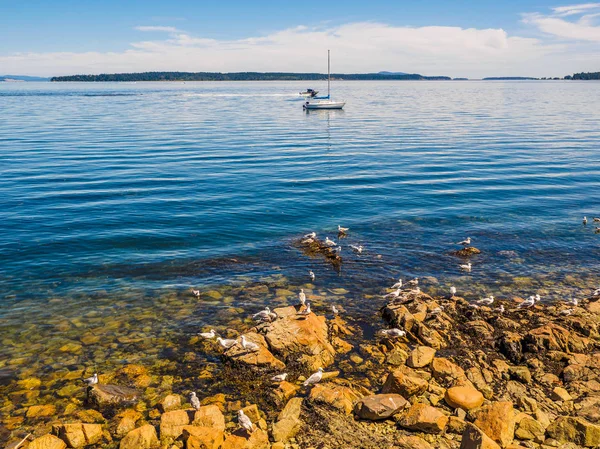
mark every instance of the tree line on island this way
{"type": "Point", "coordinates": [282, 76]}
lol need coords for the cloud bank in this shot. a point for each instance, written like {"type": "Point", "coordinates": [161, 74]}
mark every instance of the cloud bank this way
{"type": "Point", "coordinates": [563, 40]}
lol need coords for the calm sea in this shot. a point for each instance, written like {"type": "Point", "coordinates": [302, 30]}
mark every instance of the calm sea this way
{"type": "Point", "coordinates": [164, 186]}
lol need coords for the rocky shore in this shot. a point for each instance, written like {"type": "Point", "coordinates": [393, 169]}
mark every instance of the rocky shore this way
{"type": "Point", "coordinates": [460, 377]}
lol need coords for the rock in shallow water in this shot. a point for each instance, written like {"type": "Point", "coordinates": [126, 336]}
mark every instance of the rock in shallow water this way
{"type": "Point", "coordinates": [102, 395]}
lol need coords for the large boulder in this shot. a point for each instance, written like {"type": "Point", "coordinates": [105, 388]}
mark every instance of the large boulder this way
{"type": "Point", "coordinates": [379, 406]}
{"type": "Point", "coordinates": [240, 439]}
{"type": "Point", "coordinates": [141, 438]}
{"type": "Point", "coordinates": [497, 420]}
{"type": "Point", "coordinates": [475, 438]}
{"type": "Point", "coordinates": [47, 442]}
{"type": "Point", "coordinates": [444, 370]}
{"type": "Point", "coordinates": [552, 337]}
{"type": "Point", "coordinates": [103, 395]}
{"type": "Point", "coordinates": [173, 422]}
{"type": "Point", "coordinates": [530, 429]}
{"type": "Point", "coordinates": [424, 418]}
{"type": "Point", "coordinates": [288, 422]}
{"type": "Point", "coordinates": [337, 396]}
{"type": "Point", "coordinates": [403, 384]}
{"type": "Point", "coordinates": [567, 429]}
{"type": "Point", "coordinates": [198, 437]}
{"type": "Point", "coordinates": [125, 422]}
{"type": "Point", "coordinates": [209, 416]}
{"type": "Point", "coordinates": [79, 434]}
{"type": "Point", "coordinates": [464, 397]}
{"type": "Point", "coordinates": [261, 358]}
{"type": "Point", "coordinates": [308, 336]}
{"type": "Point", "coordinates": [420, 357]}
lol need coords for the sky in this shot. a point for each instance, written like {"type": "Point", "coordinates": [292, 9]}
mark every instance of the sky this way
{"type": "Point", "coordinates": [459, 38]}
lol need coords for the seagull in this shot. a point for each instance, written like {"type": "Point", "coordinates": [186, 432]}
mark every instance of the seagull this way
{"type": "Point", "coordinates": [226, 343]}
{"type": "Point", "coordinates": [196, 293]}
{"type": "Point", "coordinates": [501, 309]}
{"type": "Point", "coordinates": [358, 249]}
{"type": "Point", "coordinates": [312, 275]}
{"type": "Point", "coordinates": [279, 377]}
{"type": "Point", "coordinates": [413, 282]}
{"type": "Point", "coordinates": [395, 332]}
{"type": "Point", "coordinates": [329, 242]}
{"type": "Point", "coordinates": [584, 220]}
{"type": "Point", "coordinates": [312, 235]}
{"type": "Point", "coordinates": [597, 230]}
{"type": "Point", "coordinates": [338, 249]}
{"type": "Point", "coordinates": [208, 335]}
{"type": "Point", "coordinates": [596, 219]}
{"type": "Point", "coordinates": [417, 290]}
{"type": "Point", "coordinates": [314, 378]}
{"type": "Point", "coordinates": [92, 380]}
{"type": "Point", "coordinates": [394, 294]}
{"type": "Point", "coordinates": [250, 346]}
{"type": "Point", "coordinates": [596, 292]}
{"type": "Point", "coordinates": [567, 312]}
{"type": "Point", "coordinates": [574, 301]}
{"type": "Point", "coordinates": [194, 400]}
{"type": "Point", "coordinates": [244, 421]}
{"type": "Point", "coordinates": [474, 306]}
{"type": "Point", "coordinates": [466, 267]}
{"type": "Point", "coordinates": [306, 311]}
{"type": "Point", "coordinates": [452, 291]}
{"type": "Point", "coordinates": [486, 301]}
{"type": "Point", "coordinates": [262, 315]}
{"type": "Point", "coordinates": [302, 296]}
{"type": "Point", "coordinates": [335, 310]}
{"type": "Point", "coordinates": [342, 230]}
{"type": "Point", "coordinates": [465, 242]}
{"type": "Point", "coordinates": [527, 303]}
{"type": "Point", "coordinates": [538, 298]}
{"type": "Point", "coordinates": [398, 284]}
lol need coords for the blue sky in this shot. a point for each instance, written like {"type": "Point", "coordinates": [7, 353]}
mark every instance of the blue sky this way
{"type": "Point", "coordinates": [458, 38]}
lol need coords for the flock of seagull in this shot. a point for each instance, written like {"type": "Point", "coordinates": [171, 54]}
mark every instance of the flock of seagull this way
{"type": "Point", "coordinates": [398, 288]}
{"type": "Point", "coordinates": [596, 220]}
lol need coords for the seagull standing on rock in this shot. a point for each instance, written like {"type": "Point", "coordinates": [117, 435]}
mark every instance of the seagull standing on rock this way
{"type": "Point", "coordinates": [465, 242]}
{"type": "Point", "coordinates": [452, 291]}
{"type": "Point", "coordinates": [529, 302]}
{"type": "Point", "coordinates": [196, 293]}
{"type": "Point", "coordinates": [208, 335]}
{"type": "Point", "coordinates": [335, 310]}
{"type": "Point", "coordinates": [194, 400]}
{"type": "Point", "coordinates": [501, 308]}
{"type": "Point", "coordinates": [394, 294]}
{"type": "Point", "coordinates": [91, 380]}
{"type": "Point", "coordinates": [311, 275]}
{"type": "Point", "coordinates": [302, 297]}
{"type": "Point", "coordinates": [312, 235]}
{"type": "Point", "coordinates": [314, 378]}
{"type": "Point", "coordinates": [306, 311]}
{"type": "Point", "coordinates": [486, 301]}
{"type": "Point", "coordinates": [466, 267]}
{"type": "Point", "coordinates": [245, 422]}
{"type": "Point", "coordinates": [342, 230]}
{"type": "Point", "coordinates": [596, 292]}
{"type": "Point", "coordinates": [395, 332]}
{"type": "Point", "coordinates": [398, 284]}
{"type": "Point", "coordinates": [263, 314]}
{"type": "Point", "coordinates": [279, 377]}
{"type": "Point", "coordinates": [329, 242]}
{"type": "Point", "coordinates": [225, 343]}
{"type": "Point", "coordinates": [413, 283]}
{"type": "Point", "coordinates": [248, 345]}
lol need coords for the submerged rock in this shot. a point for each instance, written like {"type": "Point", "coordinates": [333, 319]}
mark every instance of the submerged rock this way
{"type": "Point", "coordinates": [466, 252]}
{"type": "Point", "coordinates": [103, 395]}
{"type": "Point", "coordinates": [47, 442]}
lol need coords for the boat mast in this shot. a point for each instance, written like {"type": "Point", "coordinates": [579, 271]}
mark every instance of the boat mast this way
{"type": "Point", "coordinates": [328, 75]}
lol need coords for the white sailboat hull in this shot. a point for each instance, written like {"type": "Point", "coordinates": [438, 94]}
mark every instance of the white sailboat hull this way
{"type": "Point", "coordinates": [324, 104]}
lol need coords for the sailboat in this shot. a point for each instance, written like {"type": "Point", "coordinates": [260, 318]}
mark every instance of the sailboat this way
{"type": "Point", "coordinates": [325, 102]}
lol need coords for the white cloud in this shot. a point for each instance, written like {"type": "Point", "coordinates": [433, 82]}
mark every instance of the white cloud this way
{"type": "Point", "coordinates": [157, 28]}
{"type": "Point", "coordinates": [575, 22]}
{"type": "Point", "coordinates": [356, 48]}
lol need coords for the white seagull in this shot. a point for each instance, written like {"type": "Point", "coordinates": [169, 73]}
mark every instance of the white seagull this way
{"type": "Point", "coordinates": [452, 291]}
{"type": "Point", "coordinates": [225, 343]}
{"type": "Point", "coordinates": [194, 400]}
{"type": "Point", "coordinates": [596, 219]}
{"type": "Point", "coordinates": [398, 284]}
{"type": "Point", "coordinates": [538, 298]}
{"type": "Point", "coordinates": [486, 301]}
{"type": "Point", "coordinates": [501, 308]}
{"type": "Point", "coordinates": [465, 242]}
{"type": "Point", "coordinates": [342, 230]}
{"type": "Point", "coordinates": [414, 282]}
{"type": "Point", "coordinates": [395, 332]}
{"type": "Point", "coordinates": [306, 311]}
{"type": "Point", "coordinates": [335, 310]}
{"type": "Point", "coordinates": [279, 377]}
{"type": "Point", "coordinates": [244, 421]}
{"type": "Point", "coordinates": [358, 249]}
{"type": "Point", "coordinates": [302, 296]}
{"type": "Point", "coordinates": [329, 242]}
{"type": "Point", "coordinates": [584, 220]}
{"type": "Point", "coordinates": [196, 293]}
{"type": "Point", "coordinates": [314, 378]}
{"type": "Point", "coordinates": [208, 335]}
{"type": "Point", "coordinates": [596, 292]}
{"type": "Point", "coordinates": [92, 380]}
{"type": "Point", "coordinates": [312, 235]}
{"type": "Point", "coordinates": [263, 314]}
{"type": "Point", "coordinates": [394, 294]}
{"type": "Point", "coordinates": [312, 275]}
{"type": "Point", "coordinates": [574, 301]}
{"type": "Point", "coordinates": [466, 267]}
{"type": "Point", "coordinates": [248, 345]}
{"type": "Point", "coordinates": [567, 312]}
{"type": "Point", "coordinates": [527, 303]}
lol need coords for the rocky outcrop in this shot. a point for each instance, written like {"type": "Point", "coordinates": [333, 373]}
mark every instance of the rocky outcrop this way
{"type": "Point", "coordinates": [197, 437]}
{"type": "Point", "coordinates": [497, 421]}
{"type": "Point", "coordinates": [424, 418]}
{"type": "Point", "coordinates": [79, 434]}
{"type": "Point", "coordinates": [337, 396]}
{"type": "Point", "coordinates": [420, 357]}
{"type": "Point", "coordinates": [173, 422]}
{"type": "Point", "coordinates": [403, 384]}
{"type": "Point", "coordinates": [379, 406]}
{"type": "Point", "coordinates": [288, 422]}
{"type": "Point", "coordinates": [475, 438]}
{"type": "Point", "coordinates": [575, 430]}
{"type": "Point", "coordinates": [261, 358]}
{"type": "Point", "coordinates": [47, 442]}
{"type": "Point", "coordinates": [141, 438]}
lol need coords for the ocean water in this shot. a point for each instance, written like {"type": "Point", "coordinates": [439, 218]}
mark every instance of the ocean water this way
{"type": "Point", "coordinates": [117, 196]}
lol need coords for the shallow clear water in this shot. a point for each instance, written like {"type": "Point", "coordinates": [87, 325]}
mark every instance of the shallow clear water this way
{"type": "Point", "coordinates": [115, 196]}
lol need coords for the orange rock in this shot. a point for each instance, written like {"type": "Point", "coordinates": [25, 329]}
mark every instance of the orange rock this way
{"type": "Point", "coordinates": [210, 416]}
{"type": "Point", "coordinates": [497, 421]}
{"type": "Point", "coordinates": [463, 397]}
{"type": "Point", "coordinates": [338, 396]}
{"type": "Point", "coordinates": [424, 418]}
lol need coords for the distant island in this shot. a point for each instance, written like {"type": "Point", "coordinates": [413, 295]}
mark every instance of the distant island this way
{"type": "Point", "coordinates": [244, 76]}
{"type": "Point", "coordinates": [508, 78]}
{"type": "Point", "coordinates": [586, 76]}
{"type": "Point", "coordinates": [9, 78]}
